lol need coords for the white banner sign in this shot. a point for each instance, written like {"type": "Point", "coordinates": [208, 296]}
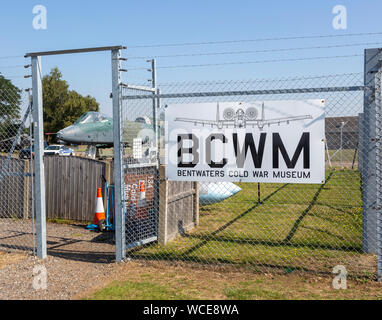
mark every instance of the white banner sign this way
{"type": "Point", "coordinates": [261, 141]}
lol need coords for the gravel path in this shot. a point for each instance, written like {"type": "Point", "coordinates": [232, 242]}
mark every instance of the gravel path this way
{"type": "Point", "coordinates": [77, 260]}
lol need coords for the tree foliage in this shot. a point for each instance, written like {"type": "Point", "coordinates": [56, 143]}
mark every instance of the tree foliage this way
{"type": "Point", "coordinates": [62, 106]}
{"type": "Point", "coordinates": [10, 101]}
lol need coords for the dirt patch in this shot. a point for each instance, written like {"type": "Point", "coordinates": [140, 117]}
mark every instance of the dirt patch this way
{"type": "Point", "coordinates": [77, 260]}
{"type": "Point", "coordinates": [10, 258]}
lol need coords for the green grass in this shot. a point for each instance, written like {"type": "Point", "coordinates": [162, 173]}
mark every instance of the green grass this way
{"type": "Point", "coordinates": [297, 226]}
{"type": "Point", "coordinates": [146, 290]}
{"type": "Point", "coordinates": [171, 282]}
{"type": "Point", "coordinates": [347, 155]}
{"type": "Point", "coordinates": [249, 294]}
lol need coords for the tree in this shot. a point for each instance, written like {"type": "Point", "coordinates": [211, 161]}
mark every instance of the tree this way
{"type": "Point", "coordinates": [62, 106]}
{"type": "Point", "coordinates": [10, 101]}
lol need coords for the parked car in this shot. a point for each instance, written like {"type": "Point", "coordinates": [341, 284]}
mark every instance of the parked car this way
{"type": "Point", "coordinates": [26, 152]}
{"type": "Point", "coordinates": [58, 150]}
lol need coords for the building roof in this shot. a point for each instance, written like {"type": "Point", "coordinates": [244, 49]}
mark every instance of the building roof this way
{"type": "Point", "coordinates": [333, 124]}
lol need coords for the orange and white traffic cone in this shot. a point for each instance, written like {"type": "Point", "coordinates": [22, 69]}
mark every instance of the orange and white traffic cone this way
{"type": "Point", "coordinates": [99, 216]}
{"type": "Point", "coordinates": [141, 207]}
{"type": "Point", "coordinates": [142, 194]}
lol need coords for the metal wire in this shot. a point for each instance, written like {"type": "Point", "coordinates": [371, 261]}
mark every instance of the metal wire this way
{"type": "Point", "coordinates": [255, 40]}
{"type": "Point", "coordinates": [200, 54]}
{"type": "Point", "coordinates": [249, 62]}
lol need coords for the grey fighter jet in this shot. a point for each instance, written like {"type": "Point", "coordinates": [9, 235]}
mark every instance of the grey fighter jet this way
{"type": "Point", "coordinates": [94, 128]}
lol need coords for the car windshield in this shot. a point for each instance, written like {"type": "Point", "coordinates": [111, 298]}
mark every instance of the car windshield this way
{"type": "Point", "coordinates": [53, 148]}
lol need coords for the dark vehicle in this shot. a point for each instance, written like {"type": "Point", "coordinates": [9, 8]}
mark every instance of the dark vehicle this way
{"type": "Point", "coordinates": [6, 144]}
{"type": "Point", "coordinates": [26, 152]}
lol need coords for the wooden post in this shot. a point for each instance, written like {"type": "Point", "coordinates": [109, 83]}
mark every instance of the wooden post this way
{"type": "Point", "coordinates": [107, 177]}
{"type": "Point", "coordinates": [163, 207]}
{"type": "Point", "coordinates": [196, 204]}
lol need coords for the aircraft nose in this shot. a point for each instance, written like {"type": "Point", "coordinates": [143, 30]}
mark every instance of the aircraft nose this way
{"type": "Point", "coordinates": [68, 134]}
{"type": "Point", "coordinates": [63, 134]}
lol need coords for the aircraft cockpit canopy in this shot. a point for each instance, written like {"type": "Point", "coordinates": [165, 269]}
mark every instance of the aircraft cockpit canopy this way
{"type": "Point", "coordinates": [90, 117]}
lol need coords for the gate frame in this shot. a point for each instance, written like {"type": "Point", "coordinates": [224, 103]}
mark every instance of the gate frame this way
{"type": "Point", "coordinates": [154, 93]}
{"type": "Point", "coordinates": [38, 132]}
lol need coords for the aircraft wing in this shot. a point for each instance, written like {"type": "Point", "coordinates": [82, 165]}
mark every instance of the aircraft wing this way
{"type": "Point", "coordinates": [211, 123]}
{"type": "Point", "coordinates": [226, 123]}
{"type": "Point", "coordinates": [198, 121]}
{"type": "Point", "coordinates": [278, 120]}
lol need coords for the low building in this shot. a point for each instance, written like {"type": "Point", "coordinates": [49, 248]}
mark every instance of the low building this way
{"type": "Point", "coordinates": [349, 132]}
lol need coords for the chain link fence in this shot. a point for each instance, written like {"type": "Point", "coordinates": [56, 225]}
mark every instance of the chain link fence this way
{"type": "Point", "coordinates": [268, 227]}
{"type": "Point", "coordinates": [16, 157]}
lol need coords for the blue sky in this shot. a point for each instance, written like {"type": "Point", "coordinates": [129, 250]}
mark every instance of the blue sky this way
{"type": "Point", "coordinates": [85, 23]}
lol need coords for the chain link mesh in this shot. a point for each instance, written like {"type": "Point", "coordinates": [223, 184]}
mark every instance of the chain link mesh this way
{"type": "Point", "coordinates": [16, 206]}
{"type": "Point", "coordinates": [268, 226]}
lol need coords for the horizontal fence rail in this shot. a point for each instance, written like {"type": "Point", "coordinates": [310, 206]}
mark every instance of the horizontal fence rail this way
{"type": "Point", "coordinates": [243, 93]}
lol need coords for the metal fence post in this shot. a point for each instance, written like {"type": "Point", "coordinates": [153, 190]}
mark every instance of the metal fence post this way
{"type": "Point", "coordinates": [38, 132]}
{"type": "Point", "coordinates": [378, 175]}
{"type": "Point", "coordinates": [361, 142]}
{"type": "Point", "coordinates": [369, 190]}
{"type": "Point", "coordinates": [120, 239]}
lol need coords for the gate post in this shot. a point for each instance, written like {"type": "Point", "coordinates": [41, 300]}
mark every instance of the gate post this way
{"type": "Point", "coordinates": [120, 238]}
{"type": "Point", "coordinates": [38, 134]}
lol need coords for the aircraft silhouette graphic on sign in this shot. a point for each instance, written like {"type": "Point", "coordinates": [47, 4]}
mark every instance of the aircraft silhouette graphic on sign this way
{"type": "Point", "coordinates": [242, 118]}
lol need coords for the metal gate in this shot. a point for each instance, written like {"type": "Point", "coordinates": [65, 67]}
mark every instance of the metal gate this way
{"type": "Point", "coordinates": [140, 166]}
